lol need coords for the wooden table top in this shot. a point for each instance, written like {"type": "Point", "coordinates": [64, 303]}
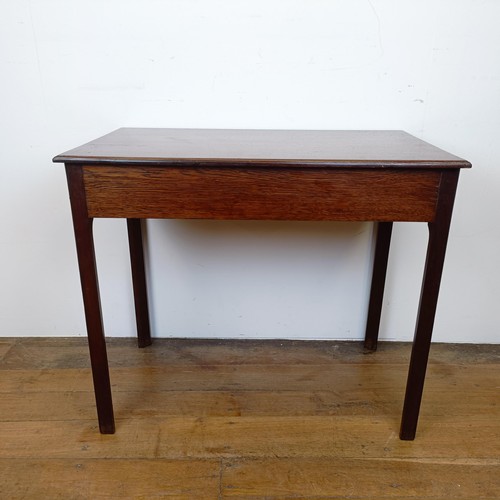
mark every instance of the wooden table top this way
{"type": "Point", "coordinates": [277, 148]}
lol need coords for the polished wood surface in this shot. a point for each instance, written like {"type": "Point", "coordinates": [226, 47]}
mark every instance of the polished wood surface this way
{"type": "Point", "coordinates": [134, 230]}
{"type": "Point", "coordinates": [261, 194]}
{"type": "Point", "coordinates": [434, 262]}
{"type": "Point", "coordinates": [83, 228]}
{"type": "Point", "coordinates": [381, 176]}
{"type": "Point", "coordinates": [288, 148]}
{"type": "Point", "coordinates": [247, 419]}
{"type": "Point", "coordinates": [379, 272]}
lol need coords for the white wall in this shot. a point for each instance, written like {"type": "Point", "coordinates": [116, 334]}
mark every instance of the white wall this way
{"type": "Point", "coordinates": [72, 71]}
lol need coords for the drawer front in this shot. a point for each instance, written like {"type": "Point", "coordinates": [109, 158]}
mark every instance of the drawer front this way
{"type": "Point", "coordinates": [261, 193]}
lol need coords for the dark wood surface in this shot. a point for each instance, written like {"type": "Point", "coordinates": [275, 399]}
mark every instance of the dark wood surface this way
{"type": "Point", "coordinates": [436, 251]}
{"type": "Point", "coordinates": [134, 230]}
{"type": "Point", "coordinates": [333, 149]}
{"type": "Point", "coordinates": [379, 271]}
{"type": "Point", "coordinates": [84, 239]}
{"type": "Point", "coordinates": [380, 176]}
{"type": "Point", "coordinates": [261, 194]}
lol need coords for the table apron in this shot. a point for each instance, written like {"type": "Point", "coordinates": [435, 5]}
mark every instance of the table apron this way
{"type": "Point", "coordinates": [177, 192]}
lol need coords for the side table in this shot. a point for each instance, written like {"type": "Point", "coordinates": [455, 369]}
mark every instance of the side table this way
{"type": "Point", "coordinates": [379, 176]}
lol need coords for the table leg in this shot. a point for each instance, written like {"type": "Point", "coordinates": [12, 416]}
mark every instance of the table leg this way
{"type": "Point", "coordinates": [139, 282]}
{"type": "Point", "coordinates": [383, 241]}
{"type": "Point", "coordinates": [82, 225]}
{"type": "Point", "coordinates": [436, 249]}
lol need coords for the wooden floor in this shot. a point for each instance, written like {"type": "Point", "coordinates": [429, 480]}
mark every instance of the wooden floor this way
{"type": "Point", "coordinates": [247, 419]}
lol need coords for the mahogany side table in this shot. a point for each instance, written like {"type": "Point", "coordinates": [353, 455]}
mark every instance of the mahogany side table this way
{"type": "Point", "coordinates": [379, 176]}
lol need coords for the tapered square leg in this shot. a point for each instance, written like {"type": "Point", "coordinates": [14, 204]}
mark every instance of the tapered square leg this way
{"type": "Point", "coordinates": [139, 282]}
{"type": "Point", "coordinates": [382, 245]}
{"type": "Point", "coordinates": [436, 250]}
{"type": "Point", "coordinates": [90, 289]}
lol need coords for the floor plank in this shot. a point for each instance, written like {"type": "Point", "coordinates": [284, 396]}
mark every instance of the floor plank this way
{"type": "Point", "coordinates": [229, 437]}
{"type": "Point", "coordinates": [343, 379]}
{"type": "Point", "coordinates": [360, 479]}
{"type": "Point", "coordinates": [5, 346]}
{"type": "Point", "coordinates": [112, 479]}
{"type": "Point", "coordinates": [79, 405]}
{"type": "Point", "coordinates": [49, 353]}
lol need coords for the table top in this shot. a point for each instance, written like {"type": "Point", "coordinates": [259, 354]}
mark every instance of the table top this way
{"type": "Point", "coordinates": [266, 148]}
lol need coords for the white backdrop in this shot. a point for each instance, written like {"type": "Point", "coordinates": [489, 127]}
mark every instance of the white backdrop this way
{"type": "Point", "coordinates": [72, 71]}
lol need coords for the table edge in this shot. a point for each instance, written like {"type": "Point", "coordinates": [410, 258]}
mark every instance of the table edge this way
{"type": "Point", "coordinates": [276, 163]}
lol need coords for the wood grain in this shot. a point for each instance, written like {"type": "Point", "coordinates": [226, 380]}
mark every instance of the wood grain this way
{"type": "Point", "coordinates": [83, 229]}
{"type": "Point", "coordinates": [381, 176]}
{"type": "Point", "coordinates": [183, 437]}
{"type": "Point", "coordinates": [366, 478]}
{"type": "Point", "coordinates": [246, 377]}
{"type": "Point", "coordinates": [5, 347]}
{"type": "Point", "coordinates": [271, 194]}
{"type": "Point", "coordinates": [60, 353]}
{"type": "Point", "coordinates": [199, 419]}
{"type": "Point", "coordinates": [367, 401]}
{"type": "Point", "coordinates": [85, 479]}
{"type": "Point", "coordinates": [263, 148]}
